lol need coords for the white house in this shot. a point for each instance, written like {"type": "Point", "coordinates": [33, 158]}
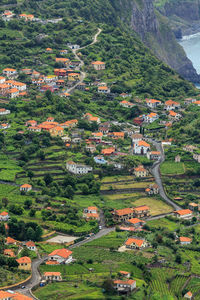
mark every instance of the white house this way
{"type": "Point", "coordinates": [25, 188]}
{"type": "Point", "coordinates": [183, 214]}
{"type": "Point", "coordinates": [141, 147]}
{"type": "Point", "coordinates": [136, 137]}
{"type": "Point", "coordinates": [10, 72]}
{"type": "Point", "coordinates": [185, 240]}
{"type": "Point", "coordinates": [61, 256]}
{"type": "Point", "coordinates": [153, 155]}
{"type": "Point", "coordinates": [150, 118]}
{"type": "Point", "coordinates": [30, 245]}
{"type": "Point", "coordinates": [4, 216]}
{"type": "Point", "coordinates": [152, 103]}
{"type": "Point", "coordinates": [103, 90]}
{"type": "Point", "coordinates": [125, 285]}
{"type": "Point", "coordinates": [78, 168]}
{"type": "Point", "coordinates": [52, 276]}
{"type": "Point", "coordinates": [136, 243]}
{"type": "Point", "coordinates": [2, 80]}
{"type": "Point", "coordinates": [170, 105]}
{"type": "Point", "coordinates": [4, 111]}
{"type": "Point", "coordinates": [196, 156]}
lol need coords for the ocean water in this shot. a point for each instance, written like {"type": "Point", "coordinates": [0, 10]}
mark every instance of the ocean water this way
{"type": "Point", "coordinates": [191, 45]}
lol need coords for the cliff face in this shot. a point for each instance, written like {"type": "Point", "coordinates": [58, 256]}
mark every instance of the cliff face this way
{"type": "Point", "coordinates": [187, 10]}
{"type": "Point", "coordinates": [155, 32]}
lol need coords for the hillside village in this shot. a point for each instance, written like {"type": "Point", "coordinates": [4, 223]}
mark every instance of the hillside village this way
{"type": "Point", "coordinates": [99, 185]}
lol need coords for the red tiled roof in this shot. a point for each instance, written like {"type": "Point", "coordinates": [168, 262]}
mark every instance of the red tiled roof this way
{"type": "Point", "coordinates": [65, 253]}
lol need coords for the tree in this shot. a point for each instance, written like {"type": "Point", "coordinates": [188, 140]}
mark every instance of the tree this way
{"type": "Point", "coordinates": [30, 174]}
{"type": "Point", "coordinates": [30, 234]}
{"type": "Point", "coordinates": [5, 201]}
{"type": "Point", "coordinates": [48, 179]}
{"type": "Point", "coordinates": [85, 189]}
{"type": "Point", "coordinates": [178, 259]}
{"type": "Point", "coordinates": [38, 233]}
{"type": "Point", "coordinates": [32, 213]}
{"type": "Point", "coordinates": [27, 203]}
{"type": "Point", "coordinates": [69, 192]}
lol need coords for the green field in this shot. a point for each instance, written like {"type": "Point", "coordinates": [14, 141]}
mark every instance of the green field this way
{"type": "Point", "coordinates": [172, 168]}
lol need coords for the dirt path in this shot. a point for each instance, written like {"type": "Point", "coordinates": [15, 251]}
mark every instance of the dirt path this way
{"type": "Point", "coordinates": [83, 74]}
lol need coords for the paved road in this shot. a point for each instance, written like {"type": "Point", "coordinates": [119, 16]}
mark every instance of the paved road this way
{"type": "Point", "coordinates": [35, 279]}
{"type": "Point", "coordinates": [83, 74]}
{"type": "Point", "coordinates": [156, 173]}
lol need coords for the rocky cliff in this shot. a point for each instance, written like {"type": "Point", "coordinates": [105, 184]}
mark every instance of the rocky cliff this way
{"type": "Point", "coordinates": [155, 32]}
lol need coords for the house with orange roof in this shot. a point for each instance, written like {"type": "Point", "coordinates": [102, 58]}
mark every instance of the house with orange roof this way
{"type": "Point", "coordinates": [25, 187]}
{"type": "Point", "coordinates": [153, 103]}
{"type": "Point", "coordinates": [18, 296]}
{"type": "Point", "coordinates": [153, 155]}
{"type": "Point", "coordinates": [193, 206]}
{"type": "Point", "coordinates": [31, 123]}
{"type": "Point", "coordinates": [4, 295]}
{"type": "Point", "coordinates": [16, 84]}
{"type": "Point", "coordinates": [141, 147]}
{"type": "Point", "coordinates": [34, 129]}
{"type": "Point", "coordinates": [173, 115]}
{"type": "Point", "coordinates": [70, 124]}
{"type": "Point", "coordinates": [153, 189]}
{"type": "Point", "coordinates": [24, 263]}
{"type": "Point", "coordinates": [62, 256]}
{"type": "Point", "coordinates": [9, 252]}
{"type": "Point", "coordinates": [4, 126]}
{"type": "Point", "coordinates": [52, 276]}
{"type": "Point", "coordinates": [63, 52]}
{"type": "Point", "coordinates": [171, 105]}
{"type": "Point", "coordinates": [136, 243]}
{"type": "Point", "coordinates": [185, 240]}
{"type": "Point", "coordinates": [7, 15]}
{"type": "Point", "coordinates": [73, 76]}
{"type": "Point", "coordinates": [142, 211]}
{"type": "Point", "coordinates": [62, 60]}
{"type": "Point", "coordinates": [122, 215]}
{"type": "Point", "coordinates": [60, 72]}
{"type": "Point", "coordinates": [4, 111]}
{"type": "Point", "coordinates": [124, 285]}
{"type": "Point", "coordinates": [26, 17]}
{"type": "Point", "coordinates": [197, 103]}
{"type": "Point", "coordinates": [65, 94]}
{"type": "Point", "coordinates": [108, 151]}
{"type": "Point", "coordinates": [98, 65]}
{"type": "Point", "coordinates": [91, 118]}
{"type": "Point", "coordinates": [10, 72]}
{"type": "Point", "coordinates": [103, 90]}
{"type": "Point", "coordinates": [126, 104]}
{"type": "Point", "coordinates": [140, 171]}
{"type": "Point", "coordinates": [56, 131]}
{"type": "Point", "coordinates": [91, 212]}
{"type": "Point", "coordinates": [12, 93]}
{"type": "Point", "coordinates": [183, 214]}
{"type": "Point", "coordinates": [116, 135]}
{"type": "Point", "coordinates": [30, 245]}
{"type": "Point", "coordinates": [91, 148]}
{"type": "Point", "coordinates": [188, 295]}
{"type": "Point", "coordinates": [2, 79]}
{"type": "Point", "coordinates": [4, 88]}
{"type": "Point", "coordinates": [150, 118]}
{"type": "Point", "coordinates": [135, 222]}
{"type": "Point", "coordinates": [49, 50]}
{"type": "Point", "coordinates": [4, 216]}
{"type": "Point", "coordinates": [10, 241]}
{"type": "Point", "coordinates": [125, 274]}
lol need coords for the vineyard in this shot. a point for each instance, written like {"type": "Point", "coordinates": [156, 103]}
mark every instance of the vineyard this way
{"type": "Point", "coordinates": [159, 282]}
{"type": "Point", "coordinates": [177, 285]}
{"type": "Point", "coordinates": [194, 287]}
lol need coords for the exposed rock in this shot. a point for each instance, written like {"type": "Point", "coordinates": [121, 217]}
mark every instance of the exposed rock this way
{"type": "Point", "coordinates": [156, 33]}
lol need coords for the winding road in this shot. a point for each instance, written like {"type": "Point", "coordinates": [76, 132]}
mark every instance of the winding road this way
{"type": "Point", "coordinates": [83, 74]}
{"type": "Point", "coordinates": [156, 173]}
